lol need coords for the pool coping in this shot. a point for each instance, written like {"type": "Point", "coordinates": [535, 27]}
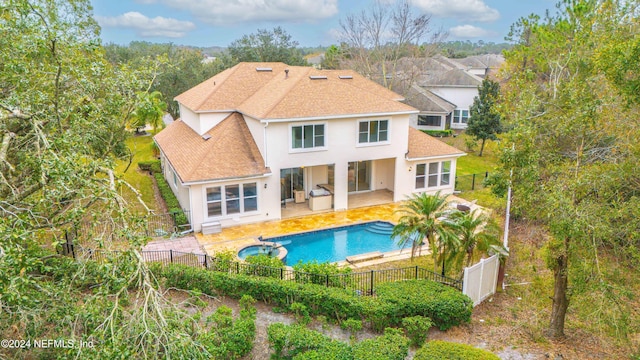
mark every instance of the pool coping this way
{"type": "Point", "coordinates": [424, 249]}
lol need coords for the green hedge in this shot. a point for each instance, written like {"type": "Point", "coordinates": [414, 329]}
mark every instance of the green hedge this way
{"type": "Point", "coordinates": [436, 350]}
{"type": "Point", "coordinates": [446, 306]}
{"type": "Point", "coordinates": [170, 200]}
{"type": "Point", "coordinates": [151, 165]}
{"type": "Point", "coordinates": [299, 343]}
{"type": "Point", "coordinates": [438, 133]}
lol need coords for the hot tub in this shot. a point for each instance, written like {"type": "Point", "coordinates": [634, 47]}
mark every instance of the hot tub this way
{"type": "Point", "coordinates": [264, 247]}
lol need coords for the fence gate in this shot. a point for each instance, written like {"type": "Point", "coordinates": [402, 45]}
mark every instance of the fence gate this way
{"type": "Point", "coordinates": [481, 279]}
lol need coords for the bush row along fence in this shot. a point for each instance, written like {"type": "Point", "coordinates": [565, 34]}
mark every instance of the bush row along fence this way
{"type": "Point", "coordinates": [153, 225]}
{"type": "Point", "coordinates": [363, 283]}
{"type": "Point", "coordinates": [471, 181]}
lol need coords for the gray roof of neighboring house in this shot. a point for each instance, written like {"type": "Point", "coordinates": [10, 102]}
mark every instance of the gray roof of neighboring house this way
{"type": "Point", "coordinates": [482, 61]}
{"type": "Point", "coordinates": [453, 78]}
{"type": "Point", "coordinates": [426, 101]}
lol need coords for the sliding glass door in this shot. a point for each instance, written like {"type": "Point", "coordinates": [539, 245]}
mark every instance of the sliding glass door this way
{"type": "Point", "coordinates": [359, 174]}
{"type": "Point", "coordinates": [290, 180]}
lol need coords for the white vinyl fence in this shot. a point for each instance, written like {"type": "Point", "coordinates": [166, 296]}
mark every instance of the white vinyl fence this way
{"type": "Point", "coordinates": [480, 280]}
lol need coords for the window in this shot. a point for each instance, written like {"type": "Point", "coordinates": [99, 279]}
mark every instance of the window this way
{"type": "Point", "coordinates": [420, 175]}
{"type": "Point", "coordinates": [373, 131]}
{"type": "Point", "coordinates": [175, 179]}
{"type": "Point", "coordinates": [307, 136]}
{"type": "Point", "coordinates": [460, 116]}
{"type": "Point", "coordinates": [232, 199]}
{"type": "Point", "coordinates": [433, 174]}
{"type": "Point", "coordinates": [429, 120]}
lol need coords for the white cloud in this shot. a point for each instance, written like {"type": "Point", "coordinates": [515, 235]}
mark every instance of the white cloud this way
{"type": "Point", "coordinates": [225, 12]}
{"type": "Point", "coordinates": [469, 31]}
{"type": "Point", "coordinates": [147, 27]}
{"type": "Point", "coordinates": [475, 10]}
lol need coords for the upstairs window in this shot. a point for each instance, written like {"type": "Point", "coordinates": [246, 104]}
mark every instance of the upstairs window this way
{"type": "Point", "coordinates": [373, 131]}
{"type": "Point", "coordinates": [307, 136]}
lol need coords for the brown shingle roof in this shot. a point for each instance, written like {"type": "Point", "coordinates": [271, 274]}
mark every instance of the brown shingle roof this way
{"type": "Point", "coordinates": [276, 95]}
{"type": "Point", "coordinates": [230, 152]}
{"type": "Point", "coordinates": [422, 145]}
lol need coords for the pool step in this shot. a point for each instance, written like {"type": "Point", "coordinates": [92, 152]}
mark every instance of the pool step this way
{"type": "Point", "coordinates": [381, 228]}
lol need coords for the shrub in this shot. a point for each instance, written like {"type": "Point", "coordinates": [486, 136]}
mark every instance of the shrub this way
{"type": "Point", "coordinates": [321, 273]}
{"type": "Point", "coordinates": [263, 265]}
{"type": "Point", "coordinates": [438, 133]}
{"type": "Point", "coordinates": [417, 328]}
{"type": "Point", "coordinates": [170, 200]}
{"type": "Point", "coordinates": [289, 341]}
{"type": "Point", "coordinates": [444, 305]}
{"type": "Point", "coordinates": [301, 313]}
{"type": "Point", "coordinates": [393, 345]}
{"type": "Point", "coordinates": [229, 339]}
{"type": "Point", "coordinates": [152, 165]}
{"type": "Point", "coordinates": [436, 349]}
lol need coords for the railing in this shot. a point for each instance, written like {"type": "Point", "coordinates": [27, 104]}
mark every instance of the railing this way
{"type": "Point", "coordinates": [471, 181]}
{"type": "Point", "coordinates": [153, 225]}
{"type": "Point", "coordinates": [363, 283]}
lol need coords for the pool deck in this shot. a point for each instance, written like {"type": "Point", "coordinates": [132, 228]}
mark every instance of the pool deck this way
{"type": "Point", "coordinates": [234, 238]}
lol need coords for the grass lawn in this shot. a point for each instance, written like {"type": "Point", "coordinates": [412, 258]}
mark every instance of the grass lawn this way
{"type": "Point", "coordinates": [141, 147]}
{"type": "Point", "coordinates": [472, 163]}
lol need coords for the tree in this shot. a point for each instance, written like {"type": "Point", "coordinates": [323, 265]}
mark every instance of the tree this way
{"type": "Point", "coordinates": [150, 110]}
{"type": "Point", "coordinates": [476, 231]}
{"type": "Point", "coordinates": [266, 46]}
{"type": "Point", "coordinates": [423, 217]}
{"type": "Point", "coordinates": [484, 121]}
{"type": "Point", "coordinates": [64, 110]}
{"type": "Point", "coordinates": [375, 40]}
{"type": "Point", "coordinates": [177, 68]}
{"type": "Point", "coordinates": [572, 148]}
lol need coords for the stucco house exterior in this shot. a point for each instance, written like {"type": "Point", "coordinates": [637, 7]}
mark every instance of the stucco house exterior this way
{"type": "Point", "coordinates": [258, 136]}
{"type": "Point", "coordinates": [444, 90]}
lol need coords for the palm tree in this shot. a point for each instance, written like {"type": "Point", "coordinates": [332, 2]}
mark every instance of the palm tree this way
{"type": "Point", "coordinates": [475, 230]}
{"type": "Point", "coordinates": [424, 217]}
{"type": "Point", "coordinates": [150, 110]}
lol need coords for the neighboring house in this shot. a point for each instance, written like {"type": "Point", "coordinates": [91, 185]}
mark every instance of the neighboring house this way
{"type": "Point", "coordinates": [256, 135]}
{"type": "Point", "coordinates": [443, 90]}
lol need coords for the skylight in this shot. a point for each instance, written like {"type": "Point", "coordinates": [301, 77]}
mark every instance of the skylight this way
{"type": "Point", "coordinates": [259, 69]}
{"type": "Point", "coordinates": [317, 77]}
{"type": "Point", "coordinates": [345, 76]}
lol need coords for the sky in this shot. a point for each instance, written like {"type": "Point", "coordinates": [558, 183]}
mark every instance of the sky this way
{"type": "Point", "coordinates": [205, 23]}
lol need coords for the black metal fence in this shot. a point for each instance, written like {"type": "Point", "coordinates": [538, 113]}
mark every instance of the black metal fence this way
{"type": "Point", "coordinates": [153, 225]}
{"type": "Point", "coordinates": [363, 283]}
{"type": "Point", "coordinates": [471, 181]}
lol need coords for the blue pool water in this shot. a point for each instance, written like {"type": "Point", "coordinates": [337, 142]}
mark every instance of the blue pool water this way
{"type": "Point", "coordinates": [337, 243]}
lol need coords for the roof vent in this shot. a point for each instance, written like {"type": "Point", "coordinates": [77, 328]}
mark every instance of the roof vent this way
{"type": "Point", "coordinates": [260, 69]}
{"type": "Point", "coordinates": [317, 77]}
{"type": "Point", "coordinates": [345, 76]}
{"type": "Point", "coordinates": [206, 137]}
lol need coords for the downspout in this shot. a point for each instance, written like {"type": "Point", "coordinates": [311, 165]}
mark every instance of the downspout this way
{"type": "Point", "coordinates": [266, 155]}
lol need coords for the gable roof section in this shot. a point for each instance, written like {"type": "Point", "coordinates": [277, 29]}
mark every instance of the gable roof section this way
{"type": "Point", "coordinates": [422, 146]}
{"type": "Point", "coordinates": [230, 152]}
{"type": "Point", "coordinates": [303, 92]}
{"type": "Point", "coordinates": [426, 101]}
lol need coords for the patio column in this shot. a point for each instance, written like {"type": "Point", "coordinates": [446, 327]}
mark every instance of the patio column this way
{"type": "Point", "coordinates": [340, 198]}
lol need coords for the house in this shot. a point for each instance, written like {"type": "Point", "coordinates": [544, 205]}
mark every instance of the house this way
{"type": "Point", "coordinates": [258, 137]}
{"type": "Point", "coordinates": [444, 90]}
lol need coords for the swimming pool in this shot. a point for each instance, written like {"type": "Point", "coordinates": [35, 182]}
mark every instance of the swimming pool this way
{"type": "Point", "coordinates": [336, 244]}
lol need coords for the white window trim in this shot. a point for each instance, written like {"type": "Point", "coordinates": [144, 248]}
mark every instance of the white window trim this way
{"type": "Point", "coordinates": [377, 143]}
{"type": "Point", "coordinates": [223, 201]}
{"type": "Point", "coordinates": [311, 149]}
{"type": "Point", "coordinates": [458, 119]}
{"type": "Point", "coordinates": [439, 177]}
